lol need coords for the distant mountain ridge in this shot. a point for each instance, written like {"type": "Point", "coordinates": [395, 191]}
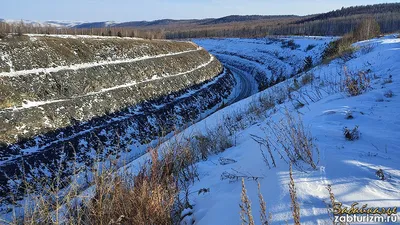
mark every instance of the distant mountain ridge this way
{"type": "Point", "coordinates": [53, 23]}
{"type": "Point", "coordinates": [154, 23]}
{"type": "Point", "coordinates": [333, 23]}
{"type": "Point", "coordinates": [172, 22]}
{"type": "Point", "coordinates": [163, 23]}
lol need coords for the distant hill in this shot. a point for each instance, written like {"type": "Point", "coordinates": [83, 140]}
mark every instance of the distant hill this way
{"type": "Point", "coordinates": [356, 10]}
{"type": "Point", "coordinates": [190, 22]}
{"type": "Point", "coordinates": [334, 23]}
{"type": "Point", "coordinates": [238, 18]}
{"type": "Point", "coordinates": [53, 23]}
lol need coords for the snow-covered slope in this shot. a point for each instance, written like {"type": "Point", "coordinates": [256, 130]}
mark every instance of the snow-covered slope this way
{"type": "Point", "coordinates": [349, 166]}
{"type": "Point", "coordinates": [267, 59]}
{"type": "Point", "coordinates": [53, 23]}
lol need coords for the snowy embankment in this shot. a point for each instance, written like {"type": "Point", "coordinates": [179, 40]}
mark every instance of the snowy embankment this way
{"type": "Point", "coordinates": [59, 93]}
{"type": "Point", "coordinates": [267, 60]}
{"type": "Point", "coordinates": [349, 166]}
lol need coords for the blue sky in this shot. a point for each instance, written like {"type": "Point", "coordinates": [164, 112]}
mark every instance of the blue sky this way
{"type": "Point", "coordinates": [129, 10]}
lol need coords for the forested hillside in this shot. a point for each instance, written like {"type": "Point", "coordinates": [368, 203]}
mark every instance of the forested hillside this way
{"type": "Point", "coordinates": [334, 23]}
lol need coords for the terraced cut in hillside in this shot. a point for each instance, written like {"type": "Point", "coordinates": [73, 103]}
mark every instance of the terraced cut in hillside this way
{"type": "Point", "coordinates": [76, 100]}
{"type": "Point", "coordinates": [48, 83]}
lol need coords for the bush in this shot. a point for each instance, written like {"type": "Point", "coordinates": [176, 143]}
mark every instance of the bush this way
{"type": "Point", "coordinates": [388, 94]}
{"type": "Point", "coordinates": [352, 134]}
{"type": "Point", "coordinates": [380, 174]}
{"type": "Point", "coordinates": [368, 29]}
{"type": "Point", "coordinates": [340, 48]}
{"type": "Point", "coordinates": [307, 79]}
{"type": "Point", "coordinates": [356, 84]}
{"type": "Point", "coordinates": [308, 63]}
{"type": "Point", "coordinates": [290, 44]}
{"type": "Point", "coordinates": [310, 47]}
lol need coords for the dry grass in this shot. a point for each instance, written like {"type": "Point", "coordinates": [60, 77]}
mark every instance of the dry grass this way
{"type": "Point", "coordinates": [147, 198]}
{"type": "Point", "coordinates": [289, 137]}
{"type": "Point", "coordinates": [293, 196]}
{"type": "Point", "coordinates": [246, 215]}
{"type": "Point", "coordinates": [332, 204]}
{"type": "Point", "coordinates": [307, 79]}
{"type": "Point", "coordinates": [265, 220]}
{"type": "Point", "coordinates": [213, 142]}
{"type": "Point", "coordinates": [150, 196]}
{"type": "Point", "coordinates": [356, 84]}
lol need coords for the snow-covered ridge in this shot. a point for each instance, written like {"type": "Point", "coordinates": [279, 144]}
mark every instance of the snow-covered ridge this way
{"type": "Point", "coordinates": [52, 23]}
{"type": "Point", "coordinates": [267, 59]}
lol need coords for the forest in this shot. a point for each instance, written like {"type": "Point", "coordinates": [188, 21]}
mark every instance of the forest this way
{"type": "Point", "coordinates": [334, 23]}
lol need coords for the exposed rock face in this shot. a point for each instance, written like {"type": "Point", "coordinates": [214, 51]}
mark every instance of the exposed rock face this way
{"type": "Point", "coordinates": [68, 96]}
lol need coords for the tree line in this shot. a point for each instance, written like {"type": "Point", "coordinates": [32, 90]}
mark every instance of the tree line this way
{"type": "Point", "coordinates": [335, 23]}
{"type": "Point", "coordinates": [18, 29]}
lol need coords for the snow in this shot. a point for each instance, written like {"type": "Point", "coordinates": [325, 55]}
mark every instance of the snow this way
{"type": "Point", "coordinates": [349, 166]}
{"type": "Point", "coordinates": [263, 54]}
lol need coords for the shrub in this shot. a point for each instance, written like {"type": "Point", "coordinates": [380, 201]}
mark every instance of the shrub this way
{"type": "Point", "coordinates": [380, 174]}
{"type": "Point", "coordinates": [215, 141]}
{"type": "Point", "coordinates": [290, 44]}
{"type": "Point", "coordinates": [388, 80]}
{"type": "Point", "coordinates": [340, 48]}
{"type": "Point", "coordinates": [356, 84]}
{"type": "Point", "coordinates": [266, 102]}
{"type": "Point", "coordinates": [308, 63]}
{"type": "Point", "coordinates": [349, 115]}
{"type": "Point", "coordinates": [310, 47]}
{"type": "Point", "coordinates": [352, 134]}
{"type": "Point", "coordinates": [147, 198]}
{"type": "Point", "coordinates": [246, 215]}
{"type": "Point", "coordinates": [307, 79]}
{"type": "Point", "coordinates": [368, 29]}
{"type": "Point", "coordinates": [388, 94]}
{"type": "Point", "coordinates": [293, 197]}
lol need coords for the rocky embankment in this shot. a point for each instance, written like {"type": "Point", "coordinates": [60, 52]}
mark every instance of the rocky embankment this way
{"type": "Point", "coordinates": [75, 99]}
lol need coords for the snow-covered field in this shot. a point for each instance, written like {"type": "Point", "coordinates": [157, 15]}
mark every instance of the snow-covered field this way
{"type": "Point", "coordinates": [349, 166]}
